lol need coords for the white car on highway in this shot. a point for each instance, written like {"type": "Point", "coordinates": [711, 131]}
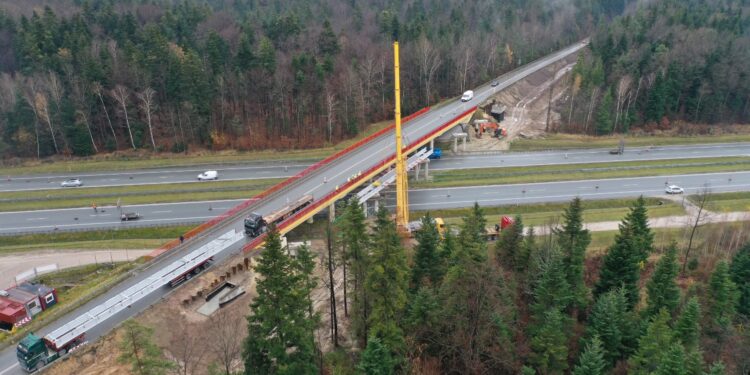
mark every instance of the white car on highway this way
{"type": "Point", "coordinates": [468, 95]}
{"type": "Point", "coordinates": [72, 182]}
{"type": "Point", "coordinates": [674, 189]}
{"type": "Point", "coordinates": [208, 175]}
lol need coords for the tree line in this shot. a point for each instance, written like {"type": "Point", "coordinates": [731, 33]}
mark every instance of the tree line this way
{"type": "Point", "coordinates": [672, 60]}
{"type": "Point", "coordinates": [86, 76]}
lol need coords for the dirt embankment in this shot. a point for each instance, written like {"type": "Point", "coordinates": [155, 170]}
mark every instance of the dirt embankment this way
{"type": "Point", "coordinates": [526, 104]}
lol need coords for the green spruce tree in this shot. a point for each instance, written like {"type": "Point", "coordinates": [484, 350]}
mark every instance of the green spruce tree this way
{"type": "Point", "coordinates": [673, 361]}
{"type": "Point", "coordinates": [356, 256]}
{"type": "Point", "coordinates": [740, 274]}
{"type": "Point", "coordinates": [604, 120]}
{"type": "Point", "coordinates": [573, 240]}
{"type": "Point", "coordinates": [509, 246]}
{"type": "Point", "coordinates": [471, 239]}
{"type": "Point", "coordinates": [614, 324]}
{"type": "Point", "coordinates": [280, 328]}
{"type": "Point", "coordinates": [662, 288]}
{"type": "Point", "coordinates": [387, 283]}
{"type": "Point", "coordinates": [653, 345]}
{"type": "Point", "coordinates": [591, 361]}
{"type": "Point", "coordinates": [549, 343]}
{"type": "Point", "coordinates": [550, 288]}
{"type": "Point", "coordinates": [723, 297]}
{"type": "Point", "coordinates": [687, 328]}
{"type": "Point", "coordinates": [376, 359]}
{"type": "Point", "coordinates": [620, 267]}
{"type": "Point", "coordinates": [427, 260]}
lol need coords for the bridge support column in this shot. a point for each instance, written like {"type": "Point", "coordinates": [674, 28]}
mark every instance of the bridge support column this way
{"type": "Point", "coordinates": [332, 211]}
{"type": "Point", "coordinates": [416, 171]}
{"type": "Point", "coordinates": [432, 144]}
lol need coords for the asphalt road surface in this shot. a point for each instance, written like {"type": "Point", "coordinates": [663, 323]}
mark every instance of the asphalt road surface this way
{"type": "Point", "coordinates": [419, 199]}
{"type": "Point", "coordinates": [319, 183]}
{"type": "Point", "coordinates": [155, 176]}
{"type": "Point", "coordinates": [254, 171]}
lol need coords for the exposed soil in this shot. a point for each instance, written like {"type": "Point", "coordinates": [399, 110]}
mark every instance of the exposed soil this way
{"type": "Point", "coordinates": [526, 105]}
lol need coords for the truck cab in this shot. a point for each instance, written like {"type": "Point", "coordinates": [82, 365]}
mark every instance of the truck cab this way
{"type": "Point", "coordinates": [33, 354]}
{"type": "Point", "coordinates": [255, 225]}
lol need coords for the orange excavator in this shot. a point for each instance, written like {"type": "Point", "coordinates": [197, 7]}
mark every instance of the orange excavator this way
{"type": "Point", "coordinates": [491, 128]}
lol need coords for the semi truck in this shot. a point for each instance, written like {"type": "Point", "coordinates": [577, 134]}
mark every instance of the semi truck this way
{"type": "Point", "coordinates": [35, 352]}
{"type": "Point", "coordinates": [257, 224]}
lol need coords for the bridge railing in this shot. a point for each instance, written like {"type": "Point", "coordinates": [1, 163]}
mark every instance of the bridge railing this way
{"type": "Point", "coordinates": [238, 208]}
{"type": "Point", "coordinates": [319, 203]}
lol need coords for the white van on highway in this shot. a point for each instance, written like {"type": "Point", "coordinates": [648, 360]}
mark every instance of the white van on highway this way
{"type": "Point", "coordinates": [468, 95]}
{"type": "Point", "coordinates": [208, 175]}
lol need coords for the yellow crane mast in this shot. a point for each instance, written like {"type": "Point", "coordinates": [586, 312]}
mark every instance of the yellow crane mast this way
{"type": "Point", "coordinates": [402, 188]}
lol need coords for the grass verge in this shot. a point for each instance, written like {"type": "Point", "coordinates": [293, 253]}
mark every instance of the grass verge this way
{"type": "Point", "coordinates": [573, 141]}
{"type": "Point", "coordinates": [131, 238]}
{"type": "Point", "coordinates": [726, 202]}
{"type": "Point", "coordinates": [75, 287]}
{"type": "Point", "coordinates": [128, 160]}
{"type": "Point", "coordinates": [546, 213]}
{"type": "Point", "coordinates": [570, 172]}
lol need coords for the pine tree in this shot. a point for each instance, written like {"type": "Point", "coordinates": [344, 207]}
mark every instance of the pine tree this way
{"type": "Point", "coordinates": [376, 359]}
{"type": "Point", "coordinates": [611, 321]}
{"type": "Point", "coordinates": [591, 361]}
{"type": "Point", "coordinates": [138, 348]}
{"type": "Point", "coordinates": [471, 239]}
{"type": "Point", "coordinates": [356, 255]}
{"type": "Point", "coordinates": [528, 250]}
{"type": "Point", "coordinates": [280, 328]}
{"type": "Point", "coordinates": [717, 368]}
{"type": "Point", "coordinates": [662, 288]}
{"type": "Point", "coordinates": [643, 237]}
{"type": "Point", "coordinates": [550, 289]}
{"type": "Point", "coordinates": [604, 119]}
{"type": "Point", "coordinates": [549, 343]}
{"type": "Point", "coordinates": [573, 240]}
{"type": "Point", "coordinates": [687, 328]}
{"type": "Point", "coordinates": [620, 269]}
{"type": "Point", "coordinates": [387, 283]}
{"type": "Point", "coordinates": [740, 274]}
{"type": "Point", "coordinates": [653, 345]}
{"type": "Point", "coordinates": [657, 99]}
{"type": "Point", "coordinates": [328, 44]}
{"type": "Point", "coordinates": [673, 361]}
{"type": "Point", "coordinates": [509, 246]}
{"type": "Point", "coordinates": [723, 296]}
{"type": "Point", "coordinates": [427, 261]}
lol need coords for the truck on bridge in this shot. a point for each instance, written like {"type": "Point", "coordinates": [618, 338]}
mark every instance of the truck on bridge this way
{"type": "Point", "coordinates": [34, 352]}
{"type": "Point", "coordinates": [257, 224]}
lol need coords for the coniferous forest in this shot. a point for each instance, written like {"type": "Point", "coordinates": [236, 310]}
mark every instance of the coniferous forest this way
{"type": "Point", "coordinates": [85, 76]}
{"type": "Point", "coordinates": [527, 303]}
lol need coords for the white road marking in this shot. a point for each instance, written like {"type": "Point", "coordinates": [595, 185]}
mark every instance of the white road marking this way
{"type": "Point", "coordinates": [37, 218]}
{"type": "Point", "coordinates": [11, 367]}
{"type": "Point", "coordinates": [161, 212]}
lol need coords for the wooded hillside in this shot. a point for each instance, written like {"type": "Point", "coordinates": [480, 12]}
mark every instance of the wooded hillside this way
{"type": "Point", "coordinates": [673, 60]}
{"type": "Point", "coordinates": [86, 76]}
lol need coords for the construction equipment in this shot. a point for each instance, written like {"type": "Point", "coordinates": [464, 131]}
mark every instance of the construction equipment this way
{"type": "Point", "coordinates": [494, 233]}
{"type": "Point", "coordinates": [415, 226]}
{"type": "Point", "coordinates": [492, 128]}
{"type": "Point", "coordinates": [257, 224]}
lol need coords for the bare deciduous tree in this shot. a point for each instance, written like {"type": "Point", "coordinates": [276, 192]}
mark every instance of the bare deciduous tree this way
{"type": "Point", "coordinates": [187, 348]}
{"type": "Point", "coordinates": [120, 93]}
{"type": "Point", "coordinates": [225, 341]}
{"type": "Point", "coordinates": [429, 61]}
{"type": "Point", "coordinates": [96, 87]}
{"type": "Point", "coordinates": [147, 106]}
{"type": "Point", "coordinates": [701, 201]}
{"type": "Point", "coordinates": [42, 108]}
{"type": "Point", "coordinates": [330, 109]}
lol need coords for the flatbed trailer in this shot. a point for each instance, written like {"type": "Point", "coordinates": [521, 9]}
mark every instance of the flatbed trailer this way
{"type": "Point", "coordinates": [257, 224]}
{"type": "Point", "coordinates": [34, 352]}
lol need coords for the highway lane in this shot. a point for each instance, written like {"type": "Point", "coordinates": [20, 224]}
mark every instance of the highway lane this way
{"type": "Point", "coordinates": [253, 171]}
{"type": "Point", "coordinates": [155, 176]}
{"type": "Point", "coordinates": [419, 199]}
{"type": "Point", "coordinates": [318, 183]}
{"type": "Point", "coordinates": [586, 156]}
